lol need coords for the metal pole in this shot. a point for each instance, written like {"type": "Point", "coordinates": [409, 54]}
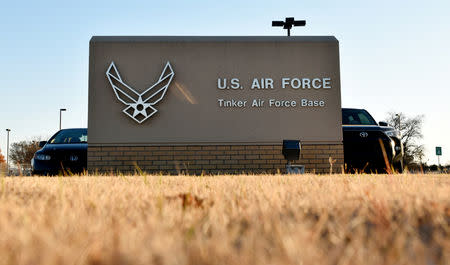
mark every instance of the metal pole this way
{"type": "Point", "coordinates": [60, 114]}
{"type": "Point", "coordinates": [289, 32]}
{"type": "Point", "coordinates": [7, 152]}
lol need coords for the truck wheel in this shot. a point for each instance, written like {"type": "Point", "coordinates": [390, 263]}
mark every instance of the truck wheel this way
{"type": "Point", "coordinates": [398, 166]}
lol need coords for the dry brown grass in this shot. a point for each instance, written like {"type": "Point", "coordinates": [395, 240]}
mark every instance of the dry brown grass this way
{"type": "Point", "coordinates": [308, 219]}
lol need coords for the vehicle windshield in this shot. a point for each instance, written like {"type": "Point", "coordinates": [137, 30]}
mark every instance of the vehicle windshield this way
{"type": "Point", "coordinates": [69, 136]}
{"type": "Point", "coordinates": [357, 117]}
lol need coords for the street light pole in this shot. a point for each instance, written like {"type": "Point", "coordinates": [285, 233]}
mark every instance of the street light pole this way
{"type": "Point", "coordinates": [7, 151]}
{"type": "Point", "coordinates": [288, 23]}
{"type": "Point", "coordinates": [60, 114]}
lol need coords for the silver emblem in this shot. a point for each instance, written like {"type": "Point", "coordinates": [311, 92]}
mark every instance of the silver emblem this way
{"type": "Point", "coordinates": [140, 105]}
{"type": "Point", "coordinates": [73, 158]}
{"type": "Point", "coordinates": [363, 134]}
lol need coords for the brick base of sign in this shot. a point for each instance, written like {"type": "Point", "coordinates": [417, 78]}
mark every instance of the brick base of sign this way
{"type": "Point", "coordinates": [212, 159]}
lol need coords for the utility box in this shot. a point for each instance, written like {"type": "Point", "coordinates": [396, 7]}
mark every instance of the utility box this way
{"type": "Point", "coordinates": [291, 150]}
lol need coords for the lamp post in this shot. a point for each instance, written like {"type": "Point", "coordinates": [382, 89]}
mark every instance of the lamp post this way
{"type": "Point", "coordinates": [288, 23]}
{"type": "Point", "coordinates": [7, 151]}
{"type": "Point", "coordinates": [60, 114]}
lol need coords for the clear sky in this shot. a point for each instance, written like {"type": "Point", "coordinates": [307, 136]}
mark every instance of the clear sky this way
{"type": "Point", "coordinates": [394, 54]}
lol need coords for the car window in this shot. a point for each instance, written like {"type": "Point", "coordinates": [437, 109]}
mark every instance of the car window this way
{"type": "Point", "coordinates": [363, 118]}
{"type": "Point", "coordinates": [71, 136]}
{"type": "Point", "coordinates": [357, 117]}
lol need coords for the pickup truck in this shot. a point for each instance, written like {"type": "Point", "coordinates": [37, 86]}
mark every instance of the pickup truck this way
{"type": "Point", "coordinates": [369, 146]}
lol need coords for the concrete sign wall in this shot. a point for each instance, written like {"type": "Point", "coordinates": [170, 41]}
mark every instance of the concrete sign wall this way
{"type": "Point", "coordinates": [224, 90]}
{"type": "Point", "coordinates": [172, 91]}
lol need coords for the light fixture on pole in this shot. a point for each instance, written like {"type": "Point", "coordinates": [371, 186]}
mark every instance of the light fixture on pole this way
{"type": "Point", "coordinates": [7, 151]}
{"type": "Point", "coordinates": [60, 112]}
{"type": "Point", "coordinates": [288, 23]}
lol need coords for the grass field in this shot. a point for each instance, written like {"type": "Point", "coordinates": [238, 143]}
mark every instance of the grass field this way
{"type": "Point", "coordinates": [307, 219]}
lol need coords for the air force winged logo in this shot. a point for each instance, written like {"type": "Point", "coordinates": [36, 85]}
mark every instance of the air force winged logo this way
{"type": "Point", "coordinates": [140, 106]}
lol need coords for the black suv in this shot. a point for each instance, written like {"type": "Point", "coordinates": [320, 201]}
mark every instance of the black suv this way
{"type": "Point", "coordinates": [368, 146]}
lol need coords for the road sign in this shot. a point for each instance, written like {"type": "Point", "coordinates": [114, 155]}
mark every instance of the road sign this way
{"type": "Point", "coordinates": [438, 150]}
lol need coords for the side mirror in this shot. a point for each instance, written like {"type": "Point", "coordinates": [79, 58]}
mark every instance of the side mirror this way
{"type": "Point", "coordinates": [383, 123]}
{"type": "Point", "coordinates": [42, 143]}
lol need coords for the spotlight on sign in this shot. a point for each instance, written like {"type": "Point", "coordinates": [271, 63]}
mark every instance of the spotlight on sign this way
{"type": "Point", "coordinates": [288, 23]}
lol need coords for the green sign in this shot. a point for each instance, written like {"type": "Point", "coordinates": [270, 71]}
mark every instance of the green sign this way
{"type": "Point", "coordinates": [438, 150]}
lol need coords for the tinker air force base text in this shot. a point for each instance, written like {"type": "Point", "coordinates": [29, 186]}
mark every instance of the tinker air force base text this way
{"type": "Point", "coordinates": [226, 84]}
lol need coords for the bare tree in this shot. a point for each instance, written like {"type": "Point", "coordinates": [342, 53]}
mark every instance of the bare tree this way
{"type": "Point", "coordinates": [2, 164]}
{"type": "Point", "coordinates": [2, 158]}
{"type": "Point", "coordinates": [411, 133]}
{"type": "Point", "coordinates": [22, 152]}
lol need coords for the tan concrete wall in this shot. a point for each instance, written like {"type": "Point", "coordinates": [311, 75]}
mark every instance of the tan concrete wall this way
{"type": "Point", "coordinates": [191, 132]}
{"type": "Point", "coordinates": [190, 113]}
{"type": "Point", "coordinates": [211, 159]}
